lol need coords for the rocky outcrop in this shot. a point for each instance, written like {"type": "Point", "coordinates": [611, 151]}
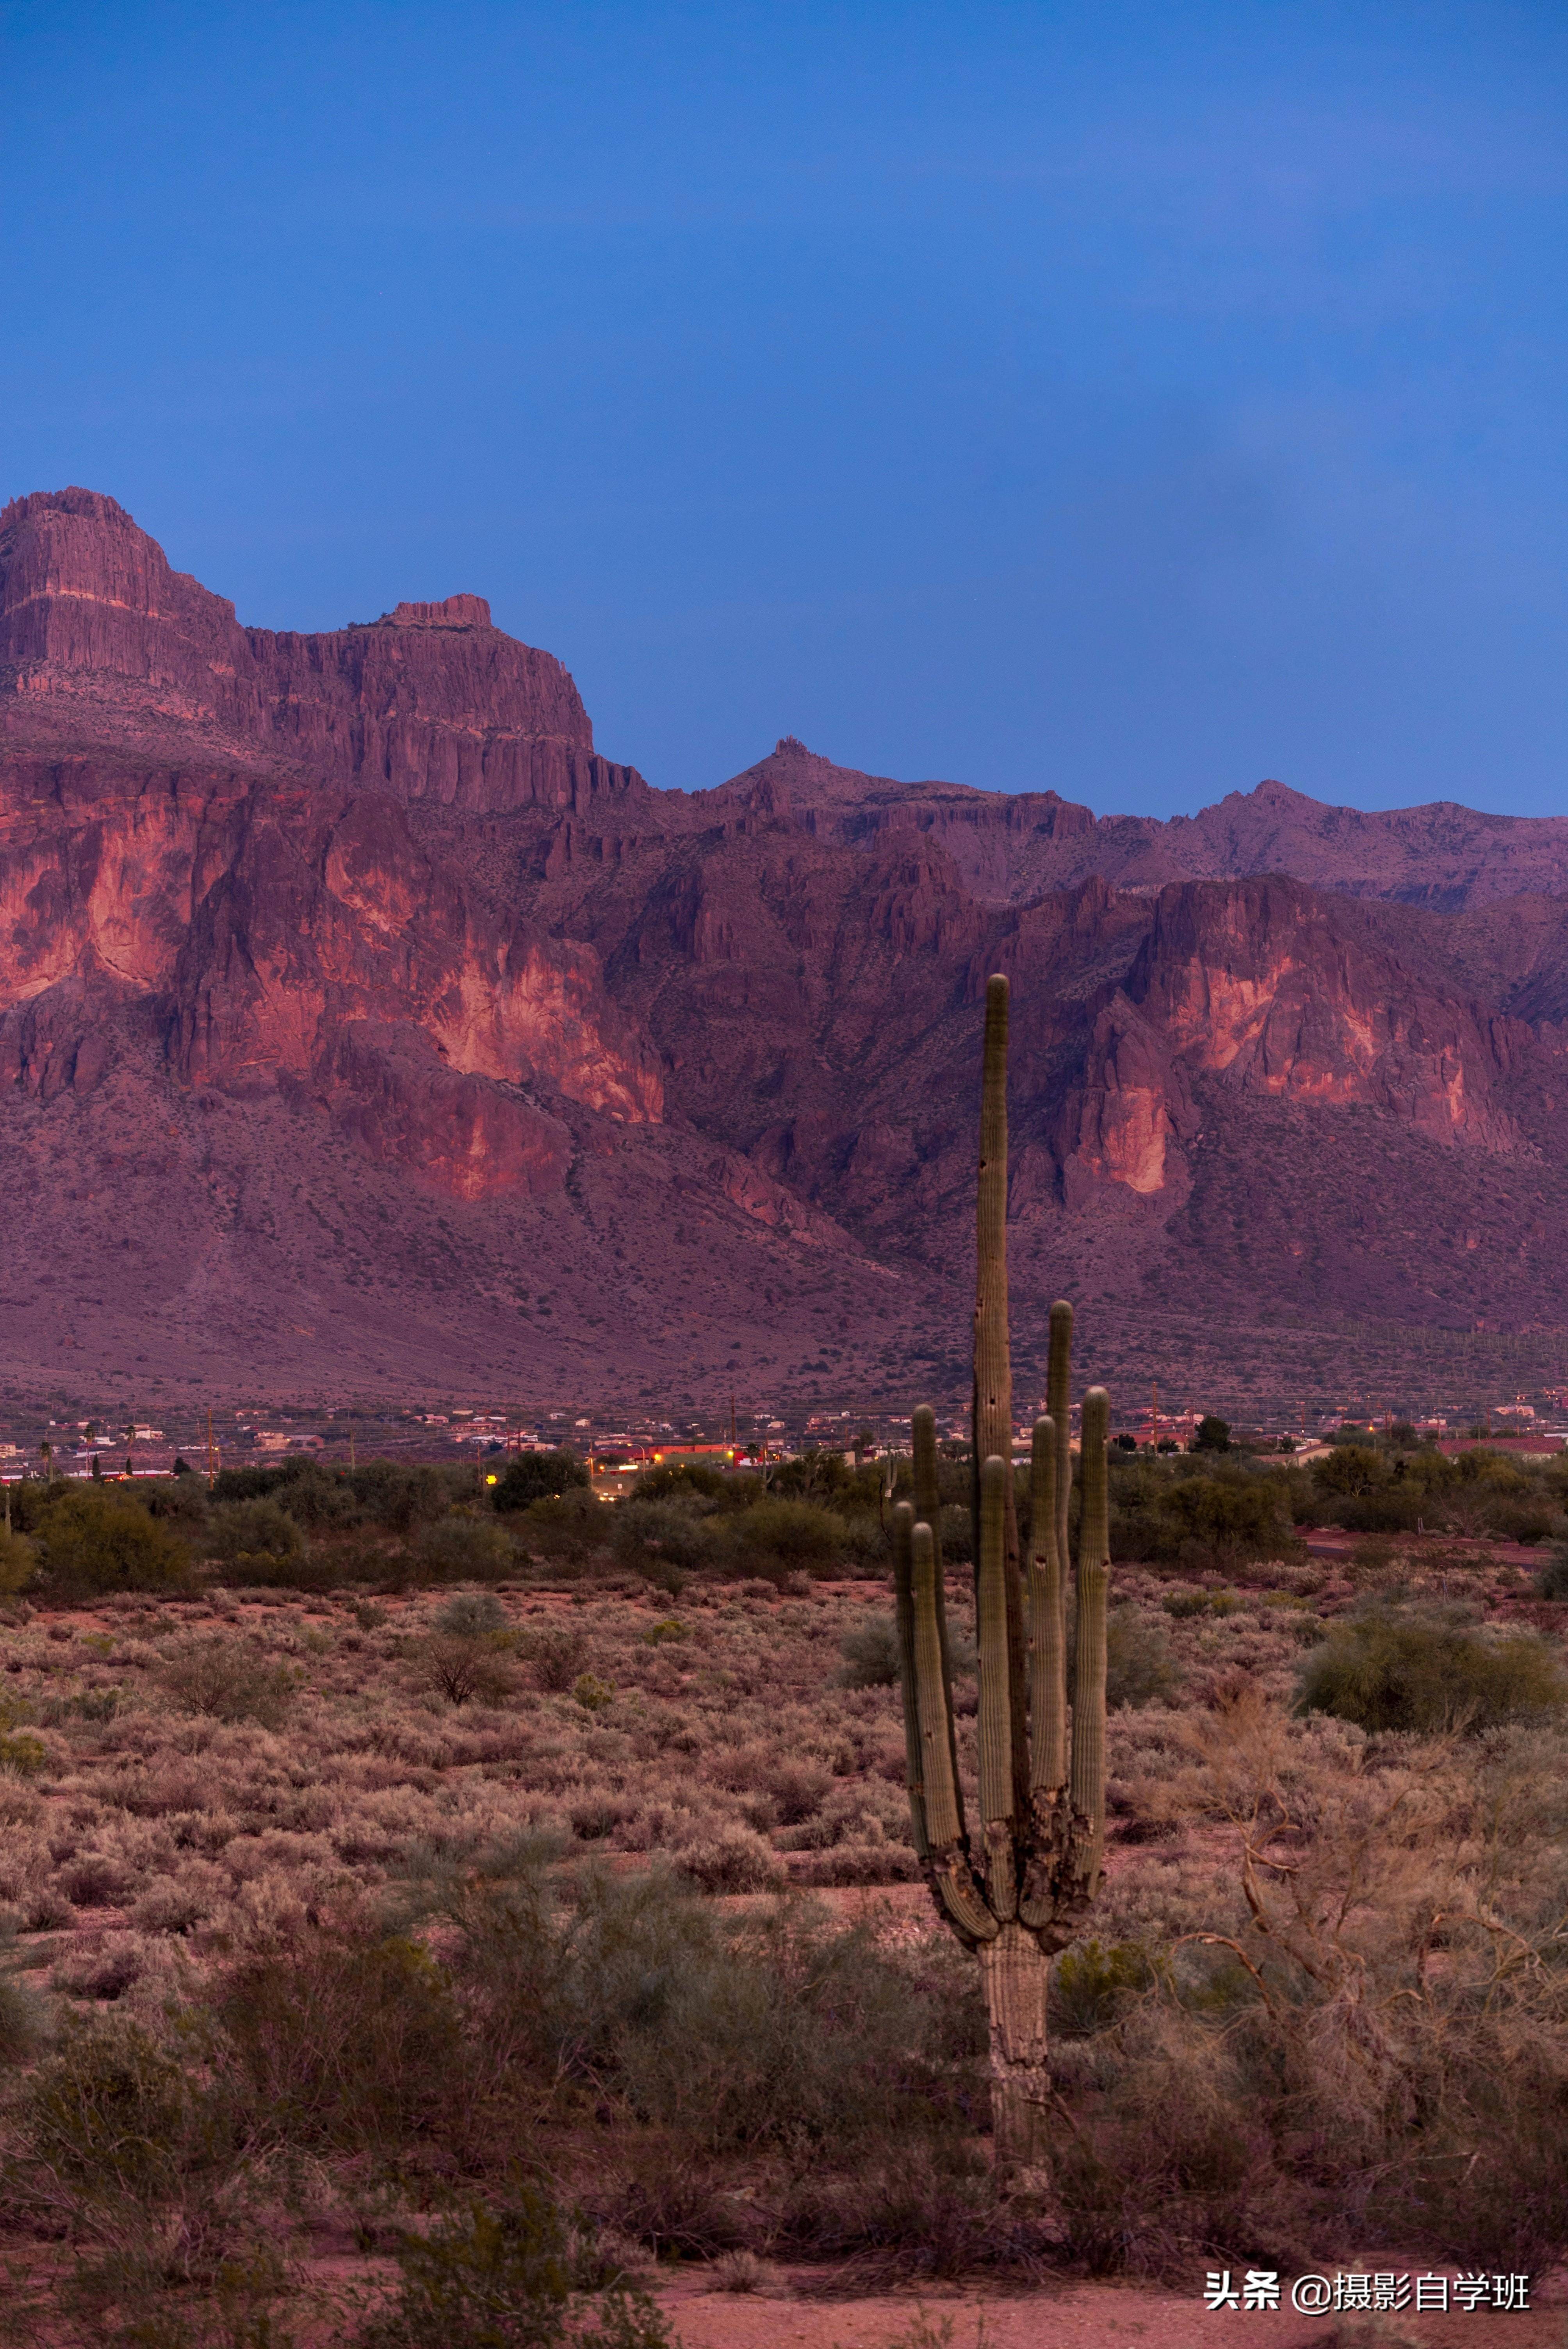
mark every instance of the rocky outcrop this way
{"type": "Point", "coordinates": [432, 702]}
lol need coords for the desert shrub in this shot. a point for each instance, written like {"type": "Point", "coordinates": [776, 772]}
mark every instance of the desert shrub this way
{"type": "Point", "coordinates": [472, 1615]}
{"type": "Point", "coordinates": [929, 2209]}
{"type": "Point", "coordinates": [18, 1562]}
{"type": "Point", "coordinates": [315, 1498]}
{"type": "Point", "coordinates": [565, 1531]}
{"type": "Point", "coordinates": [870, 1654]}
{"type": "Point", "coordinates": [461, 1549]}
{"type": "Point", "coordinates": [92, 1543]}
{"type": "Point", "coordinates": [556, 1653]}
{"type": "Point", "coordinates": [680, 1478]}
{"type": "Point", "coordinates": [110, 2117]}
{"type": "Point", "coordinates": [957, 1530]}
{"type": "Point", "coordinates": [592, 1692]}
{"type": "Point", "coordinates": [1235, 1520]}
{"type": "Point", "coordinates": [1089, 1985]}
{"type": "Point", "coordinates": [1527, 1518]}
{"type": "Point", "coordinates": [394, 1494]}
{"type": "Point", "coordinates": [1551, 1579]}
{"type": "Point", "coordinates": [733, 1860]}
{"type": "Point", "coordinates": [1139, 1665]}
{"type": "Point", "coordinates": [1350, 1468]}
{"type": "Point", "coordinates": [514, 2274]}
{"type": "Point", "coordinates": [1387, 1671]}
{"type": "Point", "coordinates": [21, 2021]}
{"type": "Point", "coordinates": [102, 1969]}
{"type": "Point", "coordinates": [1396, 1509]}
{"type": "Point", "coordinates": [785, 2032]}
{"type": "Point", "coordinates": [777, 1537]}
{"type": "Point", "coordinates": [22, 1755]}
{"type": "Point", "coordinates": [257, 1534]}
{"type": "Point", "coordinates": [537, 1477]}
{"type": "Point", "coordinates": [349, 2042]}
{"type": "Point", "coordinates": [662, 1540]}
{"type": "Point", "coordinates": [738, 2272]}
{"type": "Point", "coordinates": [463, 1668]}
{"type": "Point", "coordinates": [229, 1680]}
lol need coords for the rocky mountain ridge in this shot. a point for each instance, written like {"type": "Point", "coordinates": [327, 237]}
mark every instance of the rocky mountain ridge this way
{"type": "Point", "coordinates": [363, 1030]}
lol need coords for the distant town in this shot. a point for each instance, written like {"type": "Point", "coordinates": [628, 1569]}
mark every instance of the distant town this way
{"type": "Point", "coordinates": [616, 1448]}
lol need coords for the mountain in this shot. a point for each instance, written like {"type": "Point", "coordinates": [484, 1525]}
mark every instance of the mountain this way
{"type": "Point", "coordinates": [364, 1031]}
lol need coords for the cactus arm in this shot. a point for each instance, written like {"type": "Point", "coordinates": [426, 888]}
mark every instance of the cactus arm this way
{"type": "Point", "coordinates": [993, 1425]}
{"type": "Point", "coordinates": [941, 1794]}
{"type": "Point", "coordinates": [948, 1861]}
{"type": "Point", "coordinates": [996, 1803]}
{"type": "Point", "coordinates": [1058, 1403]}
{"type": "Point", "coordinates": [928, 1511]}
{"type": "Point", "coordinates": [903, 1605]}
{"type": "Point", "coordinates": [927, 1491]}
{"type": "Point", "coordinates": [992, 1367]}
{"type": "Point", "coordinates": [1048, 1642]}
{"type": "Point", "coordinates": [1088, 1663]}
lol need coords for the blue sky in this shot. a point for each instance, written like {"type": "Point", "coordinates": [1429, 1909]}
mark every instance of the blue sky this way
{"type": "Point", "coordinates": [1134, 399]}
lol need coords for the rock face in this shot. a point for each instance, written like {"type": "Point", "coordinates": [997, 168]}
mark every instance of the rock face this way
{"type": "Point", "coordinates": [362, 1029]}
{"type": "Point", "coordinates": [429, 702]}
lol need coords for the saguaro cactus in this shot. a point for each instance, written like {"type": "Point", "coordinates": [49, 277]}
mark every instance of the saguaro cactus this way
{"type": "Point", "coordinates": [1019, 1892]}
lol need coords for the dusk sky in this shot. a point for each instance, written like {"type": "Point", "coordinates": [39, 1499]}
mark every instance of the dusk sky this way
{"type": "Point", "coordinates": [1136, 401]}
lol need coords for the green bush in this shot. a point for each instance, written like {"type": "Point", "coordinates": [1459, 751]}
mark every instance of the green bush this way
{"type": "Point", "coordinates": [1139, 1665]}
{"type": "Point", "coordinates": [391, 1494]}
{"type": "Point", "coordinates": [260, 1534]}
{"type": "Point", "coordinates": [1229, 1517]}
{"type": "Point", "coordinates": [1387, 1671]}
{"type": "Point", "coordinates": [870, 1654]}
{"type": "Point", "coordinates": [18, 1562]}
{"type": "Point", "coordinates": [537, 1477]}
{"type": "Point", "coordinates": [91, 1542]}
{"type": "Point", "coordinates": [662, 1540]}
{"type": "Point", "coordinates": [1551, 1581]}
{"type": "Point", "coordinates": [678, 1479]}
{"type": "Point", "coordinates": [515, 2275]}
{"type": "Point", "coordinates": [1396, 1509]}
{"type": "Point", "coordinates": [1350, 1468]}
{"type": "Point", "coordinates": [782, 2032]}
{"type": "Point", "coordinates": [473, 1615]}
{"type": "Point", "coordinates": [566, 1530]}
{"type": "Point", "coordinates": [1091, 1986]}
{"type": "Point", "coordinates": [462, 1549]}
{"type": "Point", "coordinates": [777, 1538]}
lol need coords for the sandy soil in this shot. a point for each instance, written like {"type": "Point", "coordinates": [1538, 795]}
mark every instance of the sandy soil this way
{"type": "Point", "coordinates": [1082, 2316]}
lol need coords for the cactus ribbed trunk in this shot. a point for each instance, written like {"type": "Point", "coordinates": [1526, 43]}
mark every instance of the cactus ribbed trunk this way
{"type": "Point", "coordinates": [1015, 1974]}
{"type": "Point", "coordinates": [1021, 1892]}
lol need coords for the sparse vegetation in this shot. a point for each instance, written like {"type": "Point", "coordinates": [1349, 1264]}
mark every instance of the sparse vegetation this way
{"type": "Point", "coordinates": [351, 1856]}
